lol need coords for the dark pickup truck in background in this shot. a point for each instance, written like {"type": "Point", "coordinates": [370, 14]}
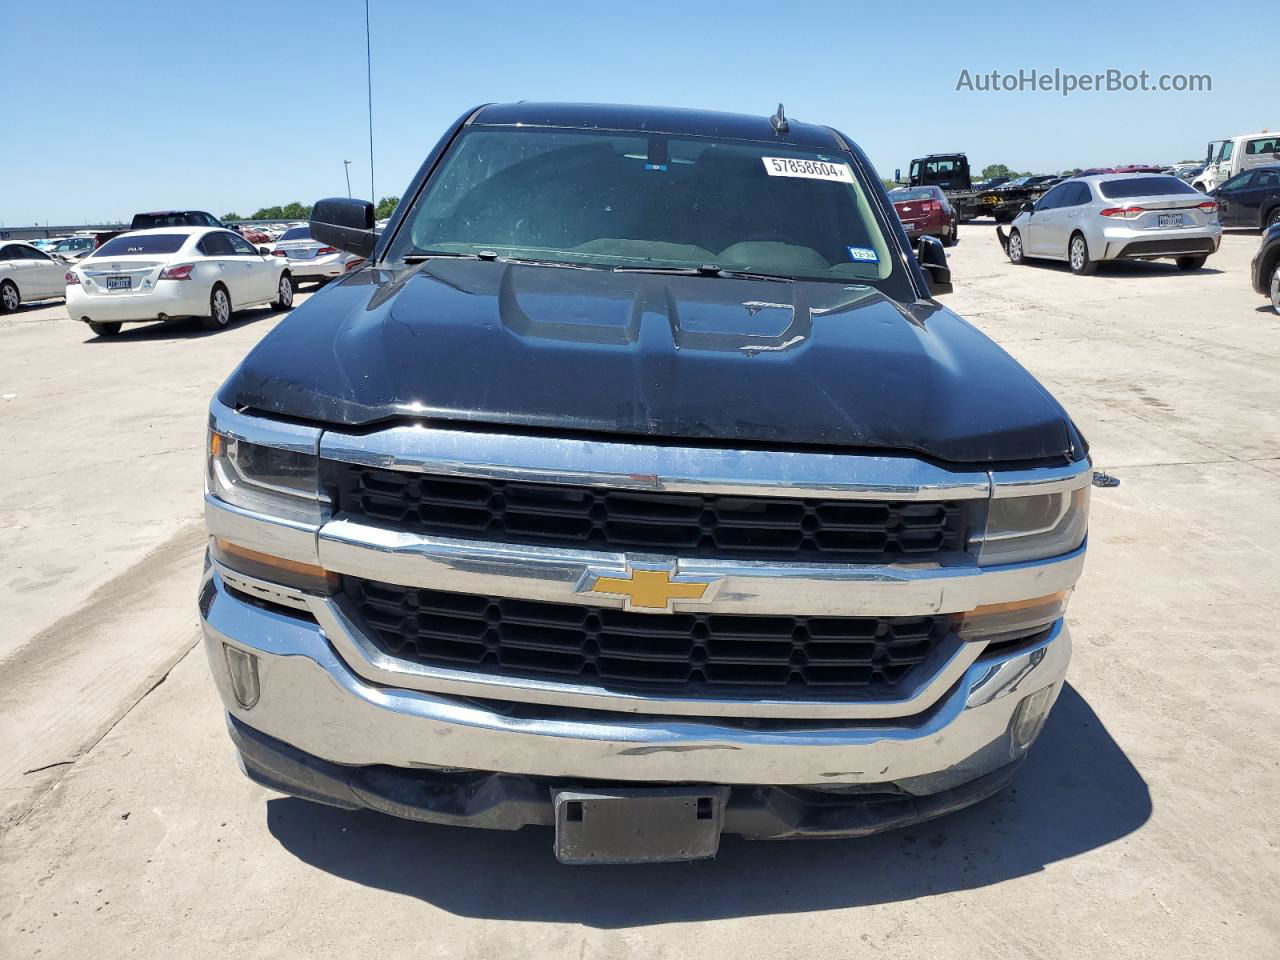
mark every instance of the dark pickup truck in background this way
{"type": "Point", "coordinates": [639, 488]}
{"type": "Point", "coordinates": [950, 171]}
{"type": "Point", "coordinates": [163, 218]}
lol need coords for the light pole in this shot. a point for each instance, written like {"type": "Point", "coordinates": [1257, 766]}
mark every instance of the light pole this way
{"type": "Point", "coordinates": [346, 168]}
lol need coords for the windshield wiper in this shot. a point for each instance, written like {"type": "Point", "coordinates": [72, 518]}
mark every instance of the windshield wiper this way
{"type": "Point", "coordinates": [491, 256]}
{"type": "Point", "coordinates": [706, 270]}
{"type": "Point", "coordinates": [413, 258]}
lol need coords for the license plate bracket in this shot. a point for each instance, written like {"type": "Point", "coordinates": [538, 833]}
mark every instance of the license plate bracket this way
{"type": "Point", "coordinates": [638, 825]}
{"type": "Point", "coordinates": [119, 283]}
{"type": "Point", "coordinates": [1171, 220]}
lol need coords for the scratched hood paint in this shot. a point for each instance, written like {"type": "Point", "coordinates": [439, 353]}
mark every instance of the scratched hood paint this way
{"type": "Point", "coordinates": [693, 358]}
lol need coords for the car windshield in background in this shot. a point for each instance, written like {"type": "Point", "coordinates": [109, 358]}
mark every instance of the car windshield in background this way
{"type": "Point", "coordinates": [898, 196]}
{"type": "Point", "coordinates": [131, 244]}
{"type": "Point", "coordinates": [296, 233]}
{"type": "Point", "coordinates": [640, 200]}
{"type": "Point", "coordinates": [149, 221]}
{"type": "Point", "coordinates": [1143, 187]}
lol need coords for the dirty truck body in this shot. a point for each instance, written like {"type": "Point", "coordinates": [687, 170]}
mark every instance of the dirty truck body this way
{"type": "Point", "coordinates": [637, 488]}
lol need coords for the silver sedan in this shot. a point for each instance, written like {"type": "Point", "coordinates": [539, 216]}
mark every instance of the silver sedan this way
{"type": "Point", "coordinates": [1142, 216]}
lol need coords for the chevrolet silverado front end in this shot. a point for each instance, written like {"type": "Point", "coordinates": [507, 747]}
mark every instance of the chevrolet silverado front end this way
{"type": "Point", "coordinates": [647, 552]}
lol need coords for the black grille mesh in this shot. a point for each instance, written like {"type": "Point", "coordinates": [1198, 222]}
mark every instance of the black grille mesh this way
{"type": "Point", "coordinates": [694, 525]}
{"type": "Point", "coordinates": [615, 647]}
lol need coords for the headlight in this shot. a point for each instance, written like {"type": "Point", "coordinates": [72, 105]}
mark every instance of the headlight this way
{"type": "Point", "coordinates": [280, 483]}
{"type": "Point", "coordinates": [1035, 527]}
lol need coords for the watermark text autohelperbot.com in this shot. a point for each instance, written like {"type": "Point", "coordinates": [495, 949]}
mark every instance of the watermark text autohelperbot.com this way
{"type": "Point", "coordinates": [1065, 83]}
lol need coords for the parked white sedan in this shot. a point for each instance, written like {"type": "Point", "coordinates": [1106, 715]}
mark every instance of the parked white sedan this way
{"type": "Point", "coordinates": [27, 274]}
{"type": "Point", "coordinates": [310, 259]}
{"type": "Point", "coordinates": [174, 272]}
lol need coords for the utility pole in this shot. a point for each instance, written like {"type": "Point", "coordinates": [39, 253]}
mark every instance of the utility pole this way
{"type": "Point", "coordinates": [346, 168]}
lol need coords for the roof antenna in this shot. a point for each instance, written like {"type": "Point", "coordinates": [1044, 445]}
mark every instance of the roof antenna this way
{"type": "Point", "coordinates": [779, 121]}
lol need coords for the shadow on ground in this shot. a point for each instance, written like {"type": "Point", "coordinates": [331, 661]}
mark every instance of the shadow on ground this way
{"type": "Point", "coordinates": [1077, 791]}
{"type": "Point", "coordinates": [188, 329]}
{"type": "Point", "coordinates": [1127, 268]}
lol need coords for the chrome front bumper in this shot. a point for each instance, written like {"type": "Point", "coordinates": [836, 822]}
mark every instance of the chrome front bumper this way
{"type": "Point", "coordinates": [314, 700]}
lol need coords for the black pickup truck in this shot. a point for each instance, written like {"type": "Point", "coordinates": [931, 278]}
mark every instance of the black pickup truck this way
{"type": "Point", "coordinates": [163, 218]}
{"type": "Point", "coordinates": [950, 171]}
{"type": "Point", "coordinates": [638, 488]}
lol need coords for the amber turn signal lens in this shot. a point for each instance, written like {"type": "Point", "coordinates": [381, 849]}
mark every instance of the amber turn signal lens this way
{"type": "Point", "coordinates": [253, 563]}
{"type": "Point", "coordinates": [998, 621]}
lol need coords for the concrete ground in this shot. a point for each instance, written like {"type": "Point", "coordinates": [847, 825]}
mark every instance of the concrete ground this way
{"type": "Point", "coordinates": [1142, 826]}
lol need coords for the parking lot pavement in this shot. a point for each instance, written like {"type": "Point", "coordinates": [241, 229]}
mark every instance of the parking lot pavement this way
{"type": "Point", "coordinates": [1142, 826]}
{"type": "Point", "coordinates": [100, 521]}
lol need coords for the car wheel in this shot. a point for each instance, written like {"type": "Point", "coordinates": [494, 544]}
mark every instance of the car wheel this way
{"type": "Point", "coordinates": [1016, 253]}
{"type": "Point", "coordinates": [284, 293]}
{"type": "Point", "coordinates": [1275, 290]}
{"type": "Point", "coordinates": [104, 329]}
{"type": "Point", "coordinates": [1078, 256]}
{"type": "Point", "coordinates": [9, 297]}
{"type": "Point", "coordinates": [952, 235]}
{"type": "Point", "coordinates": [1191, 263]}
{"type": "Point", "coordinates": [219, 309]}
{"type": "Point", "coordinates": [1271, 219]}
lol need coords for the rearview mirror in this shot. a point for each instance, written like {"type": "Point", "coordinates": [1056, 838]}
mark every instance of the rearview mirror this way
{"type": "Point", "coordinates": [346, 224]}
{"type": "Point", "coordinates": [933, 261]}
{"type": "Point", "coordinates": [897, 175]}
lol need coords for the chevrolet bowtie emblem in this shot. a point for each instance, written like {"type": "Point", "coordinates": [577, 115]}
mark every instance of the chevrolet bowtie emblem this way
{"type": "Point", "coordinates": [650, 591]}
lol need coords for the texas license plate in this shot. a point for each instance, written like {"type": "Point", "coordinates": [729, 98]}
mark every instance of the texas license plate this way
{"type": "Point", "coordinates": [1171, 220]}
{"type": "Point", "coordinates": [119, 283]}
{"type": "Point", "coordinates": [638, 825]}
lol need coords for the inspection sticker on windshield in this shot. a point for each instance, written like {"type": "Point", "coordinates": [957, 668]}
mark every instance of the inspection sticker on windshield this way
{"type": "Point", "coordinates": [809, 169]}
{"type": "Point", "coordinates": [863, 255]}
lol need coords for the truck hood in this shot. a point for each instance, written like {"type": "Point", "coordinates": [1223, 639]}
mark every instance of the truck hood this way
{"type": "Point", "coordinates": [710, 359]}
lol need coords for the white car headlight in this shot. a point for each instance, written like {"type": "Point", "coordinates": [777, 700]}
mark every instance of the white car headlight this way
{"type": "Point", "coordinates": [1034, 527]}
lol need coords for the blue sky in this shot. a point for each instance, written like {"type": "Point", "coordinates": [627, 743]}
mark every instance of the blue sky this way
{"type": "Point", "coordinates": [123, 106]}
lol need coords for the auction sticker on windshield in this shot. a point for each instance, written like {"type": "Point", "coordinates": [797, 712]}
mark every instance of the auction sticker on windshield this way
{"type": "Point", "coordinates": [809, 169]}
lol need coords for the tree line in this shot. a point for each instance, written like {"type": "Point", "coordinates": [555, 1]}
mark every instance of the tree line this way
{"type": "Point", "coordinates": [302, 211]}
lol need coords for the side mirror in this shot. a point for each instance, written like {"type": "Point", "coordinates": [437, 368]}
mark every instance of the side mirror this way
{"type": "Point", "coordinates": [933, 261]}
{"type": "Point", "coordinates": [897, 175]}
{"type": "Point", "coordinates": [1028, 207]}
{"type": "Point", "coordinates": [265, 251]}
{"type": "Point", "coordinates": [346, 224]}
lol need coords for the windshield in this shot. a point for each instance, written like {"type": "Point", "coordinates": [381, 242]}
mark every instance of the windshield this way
{"type": "Point", "coordinates": [637, 200]}
{"type": "Point", "coordinates": [899, 196]}
{"type": "Point", "coordinates": [296, 233]}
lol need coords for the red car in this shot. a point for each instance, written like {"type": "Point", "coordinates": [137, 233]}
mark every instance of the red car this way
{"type": "Point", "coordinates": [924, 211]}
{"type": "Point", "coordinates": [254, 235]}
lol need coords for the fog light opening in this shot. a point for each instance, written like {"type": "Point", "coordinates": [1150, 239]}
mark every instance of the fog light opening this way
{"type": "Point", "coordinates": [242, 667]}
{"type": "Point", "coordinates": [1030, 717]}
